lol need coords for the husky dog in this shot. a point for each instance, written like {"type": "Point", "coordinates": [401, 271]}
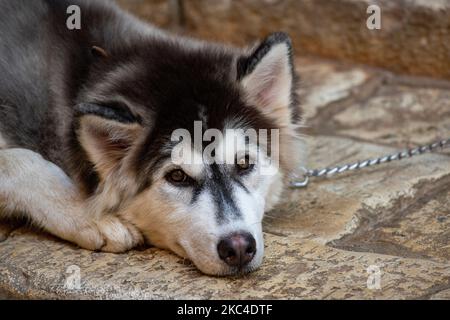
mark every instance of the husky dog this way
{"type": "Point", "coordinates": [86, 123]}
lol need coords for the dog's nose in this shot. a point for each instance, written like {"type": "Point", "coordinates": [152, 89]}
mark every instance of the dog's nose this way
{"type": "Point", "coordinates": [237, 250]}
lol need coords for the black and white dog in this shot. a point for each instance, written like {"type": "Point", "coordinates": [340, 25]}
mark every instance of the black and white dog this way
{"type": "Point", "coordinates": [87, 118]}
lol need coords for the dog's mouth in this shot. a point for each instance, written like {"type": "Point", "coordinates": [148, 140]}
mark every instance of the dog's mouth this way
{"type": "Point", "coordinates": [226, 271]}
{"type": "Point", "coordinates": [238, 272]}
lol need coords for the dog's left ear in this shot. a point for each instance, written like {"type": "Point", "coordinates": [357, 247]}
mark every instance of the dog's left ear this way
{"type": "Point", "coordinates": [106, 133]}
{"type": "Point", "coordinates": [267, 77]}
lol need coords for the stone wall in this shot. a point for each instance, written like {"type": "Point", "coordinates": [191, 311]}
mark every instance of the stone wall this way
{"type": "Point", "coordinates": [414, 37]}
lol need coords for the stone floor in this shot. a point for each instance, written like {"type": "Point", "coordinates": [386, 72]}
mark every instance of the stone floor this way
{"type": "Point", "coordinates": [332, 240]}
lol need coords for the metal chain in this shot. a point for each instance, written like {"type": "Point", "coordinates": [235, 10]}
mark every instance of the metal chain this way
{"type": "Point", "coordinates": [327, 172]}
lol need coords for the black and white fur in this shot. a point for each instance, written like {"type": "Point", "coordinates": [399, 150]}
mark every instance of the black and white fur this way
{"type": "Point", "coordinates": [86, 118]}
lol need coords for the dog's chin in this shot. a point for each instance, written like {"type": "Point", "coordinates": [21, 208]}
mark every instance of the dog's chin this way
{"type": "Point", "coordinates": [238, 271]}
{"type": "Point", "coordinates": [223, 270]}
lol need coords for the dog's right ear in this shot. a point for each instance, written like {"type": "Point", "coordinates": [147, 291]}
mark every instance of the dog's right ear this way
{"type": "Point", "coordinates": [106, 133]}
{"type": "Point", "coordinates": [267, 75]}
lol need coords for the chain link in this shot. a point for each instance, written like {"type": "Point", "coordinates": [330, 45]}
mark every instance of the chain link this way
{"type": "Point", "coordinates": [327, 172]}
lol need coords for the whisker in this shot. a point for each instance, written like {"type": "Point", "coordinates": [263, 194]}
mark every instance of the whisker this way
{"type": "Point", "coordinates": [276, 218]}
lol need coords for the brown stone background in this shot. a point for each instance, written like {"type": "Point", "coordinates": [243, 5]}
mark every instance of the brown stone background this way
{"type": "Point", "coordinates": [414, 37]}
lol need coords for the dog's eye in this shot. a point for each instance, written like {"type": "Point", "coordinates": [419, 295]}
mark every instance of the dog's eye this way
{"type": "Point", "coordinates": [177, 176]}
{"type": "Point", "coordinates": [243, 164]}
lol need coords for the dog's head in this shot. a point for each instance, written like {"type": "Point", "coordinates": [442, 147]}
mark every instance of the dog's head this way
{"type": "Point", "coordinates": [155, 122]}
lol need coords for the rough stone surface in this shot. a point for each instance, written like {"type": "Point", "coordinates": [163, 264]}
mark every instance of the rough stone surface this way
{"type": "Point", "coordinates": [426, 111]}
{"type": "Point", "coordinates": [294, 268]}
{"type": "Point", "coordinates": [420, 227]}
{"type": "Point", "coordinates": [413, 37]}
{"type": "Point", "coordinates": [332, 208]}
{"type": "Point", "coordinates": [323, 83]}
{"type": "Point", "coordinates": [441, 295]}
{"type": "Point", "coordinates": [373, 106]}
{"type": "Point", "coordinates": [321, 241]}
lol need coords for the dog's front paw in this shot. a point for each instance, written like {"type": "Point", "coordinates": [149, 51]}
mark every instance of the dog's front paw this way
{"type": "Point", "coordinates": [119, 235]}
{"type": "Point", "coordinates": [89, 237]}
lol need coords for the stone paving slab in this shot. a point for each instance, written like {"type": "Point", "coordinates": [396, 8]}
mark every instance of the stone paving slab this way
{"type": "Point", "coordinates": [374, 106]}
{"type": "Point", "coordinates": [326, 85]}
{"type": "Point", "coordinates": [321, 240]}
{"type": "Point", "coordinates": [398, 115]}
{"type": "Point", "coordinates": [293, 268]}
{"type": "Point", "coordinates": [442, 295]}
{"type": "Point", "coordinates": [420, 229]}
{"type": "Point", "coordinates": [331, 208]}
